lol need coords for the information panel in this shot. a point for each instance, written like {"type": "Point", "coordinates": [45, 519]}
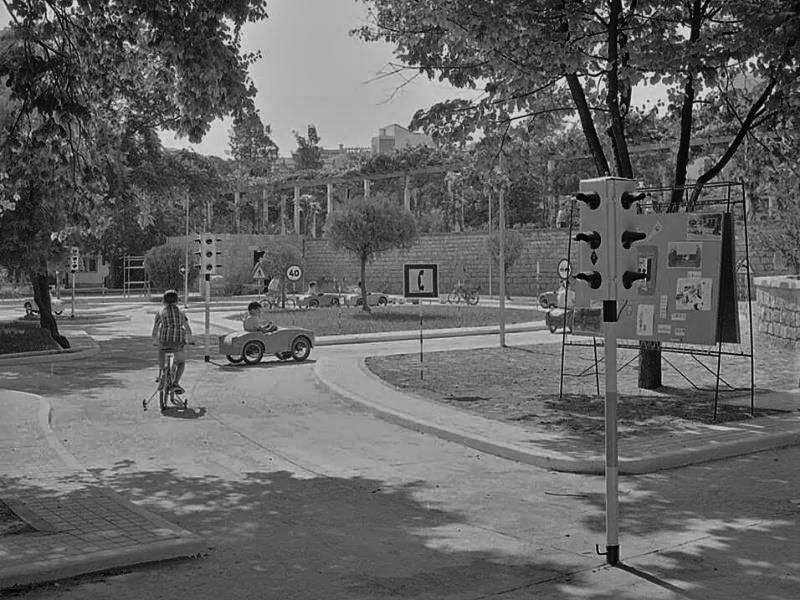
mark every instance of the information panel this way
{"type": "Point", "coordinates": [679, 300]}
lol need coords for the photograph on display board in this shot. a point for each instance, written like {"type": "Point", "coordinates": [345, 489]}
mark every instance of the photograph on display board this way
{"type": "Point", "coordinates": [684, 255]}
{"type": "Point", "coordinates": [704, 226]}
{"type": "Point", "coordinates": [693, 293]}
{"type": "Point", "coordinates": [644, 319]}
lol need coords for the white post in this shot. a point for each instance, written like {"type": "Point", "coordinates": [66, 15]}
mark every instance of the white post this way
{"type": "Point", "coordinates": [491, 259]}
{"type": "Point", "coordinates": [501, 217]}
{"type": "Point", "coordinates": [72, 310]}
{"type": "Point", "coordinates": [207, 356]}
{"type": "Point", "coordinates": [329, 191]}
{"type": "Point", "coordinates": [612, 463]}
{"type": "Point", "coordinates": [407, 193]}
{"type": "Point", "coordinates": [297, 210]}
{"type": "Point", "coordinates": [186, 254]}
{"type": "Point", "coordinates": [366, 189]}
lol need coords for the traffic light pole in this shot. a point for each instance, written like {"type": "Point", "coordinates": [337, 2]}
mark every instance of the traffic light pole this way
{"type": "Point", "coordinates": [207, 356]}
{"type": "Point", "coordinates": [612, 395]}
{"type": "Point", "coordinates": [72, 309]}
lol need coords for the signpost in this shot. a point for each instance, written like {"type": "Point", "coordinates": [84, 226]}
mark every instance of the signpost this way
{"type": "Point", "coordinates": [420, 280]}
{"type": "Point", "coordinates": [564, 269]}
{"type": "Point", "coordinates": [294, 273]}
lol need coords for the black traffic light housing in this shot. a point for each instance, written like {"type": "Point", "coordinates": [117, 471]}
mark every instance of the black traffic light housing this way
{"type": "Point", "coordinates": [590, 237]}
{"type": "Point", "coordinates": [593, 278]}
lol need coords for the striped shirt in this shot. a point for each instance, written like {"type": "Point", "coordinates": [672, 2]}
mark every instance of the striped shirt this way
{"type": "Point", "coordinates": [170, 326]}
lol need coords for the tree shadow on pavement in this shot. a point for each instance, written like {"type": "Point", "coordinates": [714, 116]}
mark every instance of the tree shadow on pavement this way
{"type": "Point", "coordinates": [723, 529]}
{"type": "Point", "coordinates": [305, 536]}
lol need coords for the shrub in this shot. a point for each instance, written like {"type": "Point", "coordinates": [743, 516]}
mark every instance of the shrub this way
{"type": "Point", "coordinates": [163, 267]}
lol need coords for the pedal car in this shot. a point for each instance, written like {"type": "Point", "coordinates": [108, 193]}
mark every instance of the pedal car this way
{"type": "Point", "coordinates": [554, 319]}
{"type": "Point", "coordinates": [251, 346]}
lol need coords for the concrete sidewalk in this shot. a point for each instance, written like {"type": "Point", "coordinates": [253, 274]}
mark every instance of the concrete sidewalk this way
{"type": "Point", "coordinates": [78, 526]}
{"type": "Point", "coordinates": [345, 372]}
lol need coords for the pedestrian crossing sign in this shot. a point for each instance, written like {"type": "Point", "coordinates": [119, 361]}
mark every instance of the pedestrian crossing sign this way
{"type": "Point", "coordinates": [258, 272]}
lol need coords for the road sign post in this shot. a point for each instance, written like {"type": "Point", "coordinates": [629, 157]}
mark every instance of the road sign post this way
{"type": "Point", "coordinates": [421, 280]}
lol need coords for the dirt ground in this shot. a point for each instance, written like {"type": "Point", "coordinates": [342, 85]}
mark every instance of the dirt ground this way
{"type": "Point", "coordinates": [523, 385]}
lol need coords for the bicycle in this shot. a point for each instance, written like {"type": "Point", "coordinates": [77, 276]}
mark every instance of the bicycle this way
{"type": "Point", "coordinates": [460, 292]}
{"type": "Point", "coordinates": [166, 385]}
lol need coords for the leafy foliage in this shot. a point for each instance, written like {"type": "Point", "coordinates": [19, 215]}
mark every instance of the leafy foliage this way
{"type": "Point", "coordinates": [513, 247]}
{"type": "Point", "coordinates": [250, 143]}
{"type": "Point", "coordinates": [367, 227]}
{"type": "Point", "coordinates": [308, 155]}
{"type": "Point", "coordinates": [278, 257]}
{"type": "Point", "coordinates": [163, 267]}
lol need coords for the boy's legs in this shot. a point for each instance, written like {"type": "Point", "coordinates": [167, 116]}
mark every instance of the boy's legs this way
{"type": "Point", "coordinates": [180, 367]}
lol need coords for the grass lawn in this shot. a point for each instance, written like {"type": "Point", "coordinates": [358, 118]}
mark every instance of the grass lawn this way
{"type": "Point", "coordinates": [343, 320]}
{"type": "Point", "coordinates": [24, 339]}
{"type": "Point", "coordinates": [521, 384]}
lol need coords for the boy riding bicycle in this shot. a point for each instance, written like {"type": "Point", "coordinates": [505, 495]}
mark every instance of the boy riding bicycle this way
{"type": "Point", "coordinates": [171, 331]}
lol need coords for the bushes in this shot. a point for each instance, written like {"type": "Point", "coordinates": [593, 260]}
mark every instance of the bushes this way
{"type": "Point", "coordinates": [163, 266]}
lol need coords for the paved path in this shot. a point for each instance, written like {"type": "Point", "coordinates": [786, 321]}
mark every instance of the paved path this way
{"type": "Point", "coordinates": [80, 526]}
{"type": "Point", "coordinates": [84, 527]}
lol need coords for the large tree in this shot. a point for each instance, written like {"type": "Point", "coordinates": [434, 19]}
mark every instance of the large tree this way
{"type": "Point", "coordinates": [584, 59]}
{"type": "Point", "coordinates": [84, 76]}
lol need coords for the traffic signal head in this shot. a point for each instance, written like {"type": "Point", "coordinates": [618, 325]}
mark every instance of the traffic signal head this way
{"type": "Point", "coordinates": [209, 252]}
{"type": "Point", "coordinates": [74, 259]}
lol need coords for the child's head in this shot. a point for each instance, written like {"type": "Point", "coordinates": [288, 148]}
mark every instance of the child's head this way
{"type": "Point", "coordinates": [254, 308]}
{"type": "Point", "coordinates": [170, 297]}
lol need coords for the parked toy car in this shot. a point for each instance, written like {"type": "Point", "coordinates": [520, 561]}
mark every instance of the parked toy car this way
{"type": "Point", "coordinates": [56, 305]}
{"type": "Point", "coordinates": [251, 346]}
{"type": "Point", "coordinates": [353, 297]}
{"type": "Point", "coordinates": [548, 299]}
{"type": "Point", "coordinates": [314, 300]}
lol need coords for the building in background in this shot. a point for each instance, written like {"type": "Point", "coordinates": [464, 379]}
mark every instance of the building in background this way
{"type": "Point", "coordinates": [395, 137]}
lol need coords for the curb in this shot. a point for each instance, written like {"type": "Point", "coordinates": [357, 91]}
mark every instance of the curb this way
{"type": "Point", "coordinates": [185, 544]}
{"type": "Point", "coordinates": [58, 355]}
{"type": "Point", "coordinates": [739, 441]}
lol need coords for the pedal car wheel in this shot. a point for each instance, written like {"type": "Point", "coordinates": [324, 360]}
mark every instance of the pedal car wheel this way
{"type": "Point", "coordinates": [301, 348]}
{"type": "Point", "coordinates": [252, 352]}
{"type": "Point", "coordinates": [360, 302]}
{"type": "Point", "coordinates": [473, 299]}
{"type": "Point", "coordinates": [234, 359]}
{"type": "Point", "coordinates": [334, 302]}
{"type": "Point", "coordinates": [382, 301]}
{"type": "Point", "coordinates": [552, 327]}
{"type": "Point", "coordinates": [283, 355]}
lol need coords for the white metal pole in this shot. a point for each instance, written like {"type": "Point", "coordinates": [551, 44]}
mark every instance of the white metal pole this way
{"type": "Point", "coordinates": [490, 237]}
{"type": "Point", "coordinates": [207, 357]}
{"type": "Point", "coordinates": [186, 255]}
{"type": "Point", "coordinates": [612, 463]}
{"type": "Point", "coordinates": [501, 219]}
{"type": "Point", "coordinates": [72, 310]}
{"type": "Point", "coordinates": [421, 364]}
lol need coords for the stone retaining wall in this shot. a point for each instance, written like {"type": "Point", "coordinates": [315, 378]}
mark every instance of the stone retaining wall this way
{"type": "Point", "coordinates": [533, 273]}
{"type": "Point", "coordinates": [778, 302]}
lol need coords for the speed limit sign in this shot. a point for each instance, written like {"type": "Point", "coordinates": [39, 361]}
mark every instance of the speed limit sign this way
{"type": "Point", "coordinates": [294, 273]}
{"type": "Point", "coordinates": [563, 269]}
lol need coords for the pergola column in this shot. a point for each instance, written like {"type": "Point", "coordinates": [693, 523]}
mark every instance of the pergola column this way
{"type": "Point", "coordinates": [265, 207]}
{"type": "Point", "coordinates": [329, 190]}
{"type": "Point", "coordinates": [283, 214]}
{"type": "Point", "coordinates": [366, 189]}
{"type": "Point", "coordinates": [297, 210]}
{"type": "Point", "coordinates": [407, 193]}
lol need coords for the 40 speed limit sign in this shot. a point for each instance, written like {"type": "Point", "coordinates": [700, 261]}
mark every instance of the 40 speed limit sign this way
{"type": "Point", "coordinates": [294, 273]}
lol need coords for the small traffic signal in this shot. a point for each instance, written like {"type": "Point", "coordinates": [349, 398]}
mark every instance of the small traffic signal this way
{"type": "Point", "coordinates": [74, 259]}
{"type": "Point", "coordinates": [209, 252]}
{"type": "Point", "coordinates": [628, 223]}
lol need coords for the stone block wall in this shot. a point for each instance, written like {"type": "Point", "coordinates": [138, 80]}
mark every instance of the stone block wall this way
{"type": "Point", "coordinates": [778, 308]}
{"type": "Point", "coordinates": [458, 254]}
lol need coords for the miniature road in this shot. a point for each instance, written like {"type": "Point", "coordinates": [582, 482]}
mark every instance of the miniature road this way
{"type": "Point", "coordinates": [301, 494]}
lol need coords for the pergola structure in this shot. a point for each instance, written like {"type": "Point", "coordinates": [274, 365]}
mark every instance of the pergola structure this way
{"type": "Point", "coordinates": [329, 182]}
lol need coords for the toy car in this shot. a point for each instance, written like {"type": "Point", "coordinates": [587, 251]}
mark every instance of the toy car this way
{"type": "Point", "coordinates": [31, 308]}
{"type": "Point", "coordinates": [317, 299]}
{"type": "Point", "coordinates": [353, 298]}
{"type": "Point", "coordinates": [548, 299]}
{"type": "Point", "coordinates": [251, 346]}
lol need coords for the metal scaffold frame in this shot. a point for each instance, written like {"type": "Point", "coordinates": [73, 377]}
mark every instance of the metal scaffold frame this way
{"type": "Point", "coordinates": [134, 276]}
{"type": "Point", "coordinates": [715, 202]}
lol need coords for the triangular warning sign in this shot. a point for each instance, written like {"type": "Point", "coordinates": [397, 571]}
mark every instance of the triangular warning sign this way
{"type": "Point", "coordinates": [258, 272]}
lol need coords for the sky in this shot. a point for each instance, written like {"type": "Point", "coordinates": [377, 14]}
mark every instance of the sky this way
{"type": "Point", "coordinates": [313, 71]}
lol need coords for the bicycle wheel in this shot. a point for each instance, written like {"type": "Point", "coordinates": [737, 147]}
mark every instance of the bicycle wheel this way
{"type": "Point", "coordinates": [472, 298]}
{"type": "Point", "coordinates": [165, 385]}
{"type": "Point", "coordinates": [453, 298]}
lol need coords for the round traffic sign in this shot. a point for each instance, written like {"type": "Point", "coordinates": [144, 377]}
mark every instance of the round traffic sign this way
{"type": "Point", "coordinates": [563, 269]}
{"type": "Point", "coordinates": [294, 273]}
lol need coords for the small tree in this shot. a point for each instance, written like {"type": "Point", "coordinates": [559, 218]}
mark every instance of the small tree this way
{"type": "Point", "coordinates": [369, 227]}
{"type": "Point", "coordinates": [514, 243]}
{"type": "Point", "coordinates": [278, 257]}
{"type": "Point", "coordinates": [163, 267]}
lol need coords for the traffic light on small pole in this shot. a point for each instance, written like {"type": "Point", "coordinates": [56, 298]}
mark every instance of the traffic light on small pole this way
{"type": "Point", "coordinates": [208, 251]}
{"type": "Point", "coordinates": [74, 259]}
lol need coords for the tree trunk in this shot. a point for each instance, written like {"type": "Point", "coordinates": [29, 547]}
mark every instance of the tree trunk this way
{"type": "Point", "coordinates": [649, 365]}
{"type": "Point", "coordinates": [41, 296]}
{"type": "Point", "coordinates": [363, 285]}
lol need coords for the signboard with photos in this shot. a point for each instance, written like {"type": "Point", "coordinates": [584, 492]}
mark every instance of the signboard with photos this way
{"type": "Point", "coordinates": [689, 294]}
